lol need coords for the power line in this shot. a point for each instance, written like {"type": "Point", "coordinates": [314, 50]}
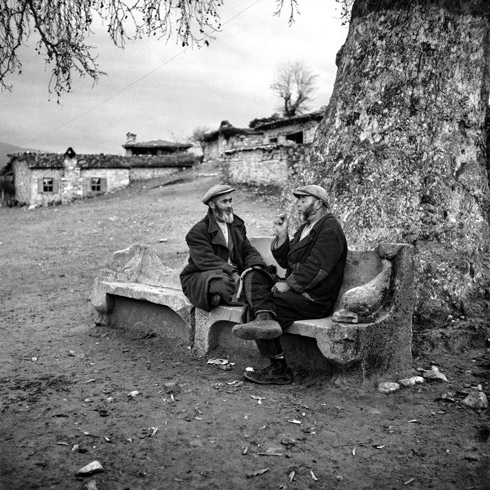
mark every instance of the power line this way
{"type": "Point", "coordinates": [132, 84]}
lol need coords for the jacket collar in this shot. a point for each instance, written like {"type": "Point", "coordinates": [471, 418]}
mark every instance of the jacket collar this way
{"type": "Point", "coordinates": [300, 243]}
{"type": "Point", "coordinates": [213, 228]}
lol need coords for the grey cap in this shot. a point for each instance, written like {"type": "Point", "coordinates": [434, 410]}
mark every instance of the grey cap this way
{"type": "Point", "coordinates": [216, 190]}
{"type": "Point", "coordinates": [312, 190]}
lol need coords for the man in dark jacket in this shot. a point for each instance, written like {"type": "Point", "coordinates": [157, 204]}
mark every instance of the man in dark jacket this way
{"type": "Point", "coordinates": [219, 253]}
{"type": "Point", "coordinates": [314, 261]}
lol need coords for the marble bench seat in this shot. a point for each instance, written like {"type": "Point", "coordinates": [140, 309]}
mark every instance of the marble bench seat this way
{"type": "Point", "coordinates": [137, 292]}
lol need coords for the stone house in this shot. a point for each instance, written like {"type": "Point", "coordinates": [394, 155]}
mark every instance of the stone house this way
{"type": "Point", "coordinates": [155, 148]}
{"type": "Point", "coordinates": [228, 137]}
{"type": "Point", "coordinates": [52, 178]}
{"type": "Point", "coordinates": [298, 129]}
{"type": "Point", "coordinates": [274, 130]}
{"type": "Point", "coordinates": [268, 153]}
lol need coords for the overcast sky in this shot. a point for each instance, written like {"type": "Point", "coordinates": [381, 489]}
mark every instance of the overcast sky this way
{"type": "Point", "coordinates": [159, 90]}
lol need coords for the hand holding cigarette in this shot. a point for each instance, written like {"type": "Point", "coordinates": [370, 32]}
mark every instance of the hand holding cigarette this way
{"type": "Point", "coordinates": [280, 228]}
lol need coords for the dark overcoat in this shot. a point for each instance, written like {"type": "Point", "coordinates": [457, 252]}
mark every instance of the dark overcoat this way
{"type": "Point", "coordinates": [210, 257]}
{"type": "Point", "coordinates": [315, 265]}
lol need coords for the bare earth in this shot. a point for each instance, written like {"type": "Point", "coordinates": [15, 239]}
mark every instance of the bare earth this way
{"type": "Point", "coordinates": [65, 383]}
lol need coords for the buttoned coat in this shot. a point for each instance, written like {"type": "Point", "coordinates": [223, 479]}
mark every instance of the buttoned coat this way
{"type": "Point", "coordinates": [315, 265]}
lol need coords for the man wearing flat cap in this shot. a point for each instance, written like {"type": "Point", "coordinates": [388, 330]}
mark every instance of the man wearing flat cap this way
{"type": "Point", "coordinates": [219, 253]}
{"type": "Point", "coordinates": [314, 260]}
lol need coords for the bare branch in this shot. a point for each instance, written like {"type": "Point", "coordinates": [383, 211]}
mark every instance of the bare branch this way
{"type": "Point", "coordinates": [63, 27]}
{"type": "Point", "coordinates": [293, 9]}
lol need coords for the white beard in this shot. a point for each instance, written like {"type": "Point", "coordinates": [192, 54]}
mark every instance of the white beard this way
{"type": "Point", "coordinates": [224, 216]}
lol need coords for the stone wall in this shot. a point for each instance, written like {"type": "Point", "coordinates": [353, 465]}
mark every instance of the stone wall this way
{"type": "Point", "coordinates": [141, 173]}
{"type": "Point", "coordinates": [266, 165]}
{"type": "Point", "coordinates": [22, 182]}
{"type": "Point", "coordinates": [215, 150]}
{"type": "Point", "coordinates": [113, 179]}
{"type": "Point", "coordinates": [308, 128]}
{"type": "Point", "coordinates": [243, 140]}
{"type": "Point", "coordinates": [33, 194]}
{"type": "Point", "coordinates": [71, 185]}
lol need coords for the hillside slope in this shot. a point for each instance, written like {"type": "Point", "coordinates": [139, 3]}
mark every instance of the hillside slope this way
{"type": "Point", "coordinates": [5, 149]}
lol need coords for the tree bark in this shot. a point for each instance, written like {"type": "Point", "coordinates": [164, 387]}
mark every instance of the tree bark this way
{"type": "Point", "coordinates": [402, 149]}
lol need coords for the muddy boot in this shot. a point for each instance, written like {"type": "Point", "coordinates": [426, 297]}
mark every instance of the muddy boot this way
{"type": "Point", "coordinates": [277, 373]}
{"type": "Point", "coordinates": [264, 327]}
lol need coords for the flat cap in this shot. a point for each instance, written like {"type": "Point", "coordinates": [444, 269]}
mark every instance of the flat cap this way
{"type": "Point", "coordinates": [216, 190]}
{"type": "Point", "coordinates": [312, 190]}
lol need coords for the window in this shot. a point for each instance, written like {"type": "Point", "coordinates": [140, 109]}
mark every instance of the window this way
{"type": "Point", "coordinates": [296, 137]}
{"type": "Point", "coordinates": [48, 184]}
{"type": "Point", "coordinates": [96, 184]}
{"type": "Point", "coordinates": [272, 140]}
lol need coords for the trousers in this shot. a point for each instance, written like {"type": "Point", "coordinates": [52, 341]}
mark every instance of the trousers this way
{"type": "Point", "coordinates": [286, 307]}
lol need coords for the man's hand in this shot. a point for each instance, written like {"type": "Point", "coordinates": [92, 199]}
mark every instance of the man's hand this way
{"type": "Point", "coordinates": [280, 229]}
{"type": "Point", "coordinates": [235, 276]}
{"type": "Point", "coordinates": [280, 287]}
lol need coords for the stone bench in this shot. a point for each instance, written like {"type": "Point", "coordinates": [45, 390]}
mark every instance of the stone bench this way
{"type": "Point", "coordinates": [137, 292]}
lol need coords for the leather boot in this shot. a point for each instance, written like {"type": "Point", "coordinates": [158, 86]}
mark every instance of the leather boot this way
{"type": "Point", "coordinates": [277, 373]}
{"type": "Point", "coordinates": [264, 327]}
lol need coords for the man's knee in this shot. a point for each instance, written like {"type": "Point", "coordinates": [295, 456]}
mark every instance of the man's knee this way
{"type": "Point", "coordinates": [257, 277]}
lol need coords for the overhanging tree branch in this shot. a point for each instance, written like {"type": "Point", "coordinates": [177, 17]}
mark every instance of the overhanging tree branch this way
{"type": "Point", "coordinates": [63, 27]}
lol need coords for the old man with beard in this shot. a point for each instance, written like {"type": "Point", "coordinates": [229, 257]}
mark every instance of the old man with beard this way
{"type": "Point", "coordinates": [219, 252]}
{"type": "Point", "coordinates": [314, 260]}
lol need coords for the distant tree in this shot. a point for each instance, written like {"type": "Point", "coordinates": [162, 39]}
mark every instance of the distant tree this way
{"type": "Point", "coordinates": [294, 84]}
{"type": "Point", "coordinates": [62, 29]}
{"type": "Point", "coordinates": [198, 137]}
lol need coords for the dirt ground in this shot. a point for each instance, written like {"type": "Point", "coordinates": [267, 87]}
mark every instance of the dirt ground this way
{"type": "Point", "coordinates": [67, 386]}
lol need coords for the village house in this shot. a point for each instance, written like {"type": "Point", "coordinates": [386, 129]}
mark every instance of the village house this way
{"type": "Point", "coordinates": [268, 153]}
{"type": "Point", "coordinates": [51, 178]}
{"type": "Point", "coordinates": [155, 148]}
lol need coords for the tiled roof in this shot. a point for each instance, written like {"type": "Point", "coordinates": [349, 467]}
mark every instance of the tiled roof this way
{"type": "Point", "coordinates": [37, 160]}
{"type": "Point", "coordinates": [278, 123]}
{"type": "Point", "coordinates": [157, 144]}
{"type": "Point", "coordinates": [228, 132]}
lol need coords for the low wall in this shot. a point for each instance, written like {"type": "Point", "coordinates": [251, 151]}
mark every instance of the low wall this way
{"type": "Point", "coordinates": [263, 165]}
{"type": "Point", "coordinates": [142, 173]}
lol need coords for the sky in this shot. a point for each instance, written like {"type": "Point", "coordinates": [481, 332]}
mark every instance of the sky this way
{"type": "Point", "coordinates": [159, 90]}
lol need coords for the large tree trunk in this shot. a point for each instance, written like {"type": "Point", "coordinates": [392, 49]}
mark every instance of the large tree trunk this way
{"type": "Point", "coordinates": [402, 147]}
